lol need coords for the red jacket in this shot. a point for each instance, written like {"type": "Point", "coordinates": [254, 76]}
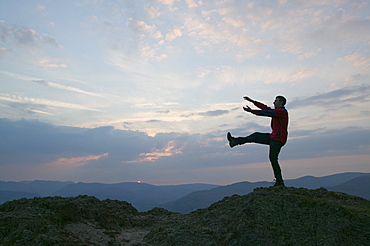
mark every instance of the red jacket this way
{"type": "Point", "coordinates": [279, 121]}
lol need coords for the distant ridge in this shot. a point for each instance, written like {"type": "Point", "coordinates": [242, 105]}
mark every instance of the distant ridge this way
{"type": "Point", "coordinates": [39, 187]}
{"type": "Point", "coordinates": [180, 198]}
{"type": "Point", "coordinates": [142, 196]}
{"type": "Point", "coordinates": [203, 199]}
{"type": "Point", "coordinates": [311, 182]}
{"type": "Point", "coordinates": [359, 186]}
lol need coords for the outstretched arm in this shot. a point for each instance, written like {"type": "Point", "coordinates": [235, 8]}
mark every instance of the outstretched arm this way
{"type": "Point", "coordinates": [269, 113]}
{"type": "Point", "coordinates": [256, 103]}
{"type": "Point", "coordinates": [248, 109]}
{"type": "Point", "coordinates": [249, 99]}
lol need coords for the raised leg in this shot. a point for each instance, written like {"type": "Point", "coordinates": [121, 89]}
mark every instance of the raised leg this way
{"type": "Point", "coordinates": [257, 137]}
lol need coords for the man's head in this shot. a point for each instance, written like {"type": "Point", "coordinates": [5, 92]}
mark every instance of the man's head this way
{"type": "Point", "coordinates": [280, 101]}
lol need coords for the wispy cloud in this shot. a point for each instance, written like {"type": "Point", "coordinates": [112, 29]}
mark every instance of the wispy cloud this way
{"type": "Point", "coordinates": [45, 62]}
{"type": "Point", "coordinates": [44, 102]}
{"type": "Point", "coordinates": [209, 113]}
{"type": "Point", "coordinates": [74, 162]}
{"type": "Point", "coordinates": [169, 150]}
{"type": "Point", "coordinates": [64, 87]}
{"type": "Point", "coordinates": [356, 59]}
{"type": "Point", "coordinates": [48, 83]}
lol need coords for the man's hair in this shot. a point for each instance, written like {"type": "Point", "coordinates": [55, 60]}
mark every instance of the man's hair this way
{"type": "Point", "coordinates": [282, 99]}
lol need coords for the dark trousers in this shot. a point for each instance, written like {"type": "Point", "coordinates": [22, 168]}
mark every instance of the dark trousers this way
{"type": "Point", "coordinates": [275, 147]}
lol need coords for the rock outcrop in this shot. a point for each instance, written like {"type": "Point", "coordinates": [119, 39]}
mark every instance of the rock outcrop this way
{"type": "Point", "coordinates": [267, 216]}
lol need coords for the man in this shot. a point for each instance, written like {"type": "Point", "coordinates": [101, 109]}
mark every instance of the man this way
{"type": "Point", "coordinates": [276, 139]}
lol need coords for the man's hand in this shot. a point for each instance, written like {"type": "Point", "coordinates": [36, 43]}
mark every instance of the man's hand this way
{"type": "Point", "coordinates": [247, 108]}
{"type": "Point", "coordinates": [248, 99]}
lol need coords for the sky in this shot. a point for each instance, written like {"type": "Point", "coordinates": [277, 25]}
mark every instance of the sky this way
{"type": "Point", "coordinates": [128, 90]}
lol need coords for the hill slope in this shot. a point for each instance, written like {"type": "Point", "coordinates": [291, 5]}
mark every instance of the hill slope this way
{"type": "Point", "coordinates": [272, 216]}
{"type": "Point", "coordinates": [267, 216]}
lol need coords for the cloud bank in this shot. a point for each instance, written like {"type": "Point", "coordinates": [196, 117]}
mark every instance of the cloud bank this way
{"type": "Point", "coordinates": [109, 154]}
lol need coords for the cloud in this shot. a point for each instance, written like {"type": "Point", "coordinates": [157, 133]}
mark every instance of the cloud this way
{"type": "Point", "coordinates": [304, 73]}
{"type": "Point", "coordinates": [40, 7]}
{"type": "Point", "coordinates": [210, 113]}
{"type": "Point", "coordinates": [46, 39]}
{"type": "Point", "coordinates": [153, 121]}
{"type": "Point", "coordinates": [356, 59]}
{"type": "Point", "coordinates": [191, 3]}
{"type": "Point", "coordinates": [340, 27]}
{"type": "Point", "coordinates": [25, 36]}
{"type": "Point", "coordinates": [74, 162]}
{"type": "Point", "coordinates": [163, 111]}
{"type": "Point", "coordinates": [340, 97]}
{"type": "Point", "coordinates": [139, 26]}
{"type": "Point", "coordinates": [46, 62]}
{"type": "Point", "coordinates": [109, 154]}
{"type": "Point", "coordinates": [336, 142]}
{"type": "Point", "coordinates": [166, 2]}
{"type": "Point", "coordinates": [169, 150]}
{"type": "Point", "coordinates": [64, 87]}
{"type": "Point", "coordinates": [43, 102]}
{"type": "Point", "coordinates": [152, 12]}
{"type": "Point", "coordinates": [233, 22]}
{"type": "Point", "coordinates": [174, 33]}
{"type": "Point", "coordinates": [44, 143]}
{"type": "Point", "coordinates": [18, 76]}
{"type": "Point", "coordinates": [214, 113]}
{"type": "Point", "coordinates": [208, 33]}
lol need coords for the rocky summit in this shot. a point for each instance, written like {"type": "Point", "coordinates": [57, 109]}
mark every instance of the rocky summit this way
{"type": "Point", "coordinates": [267, 216]}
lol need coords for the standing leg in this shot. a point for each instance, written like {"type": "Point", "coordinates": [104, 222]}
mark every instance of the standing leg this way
{"type": "Point", "coordinates": [275, 147]}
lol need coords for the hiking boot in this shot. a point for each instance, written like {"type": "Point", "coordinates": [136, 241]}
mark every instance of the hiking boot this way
{"type": "Point", "coordinates": [231, 140]}
{"type": "Point", "coordinates": [279, 183]}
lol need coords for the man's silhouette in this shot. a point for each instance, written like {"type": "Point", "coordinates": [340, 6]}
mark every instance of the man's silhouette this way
{"type": "Point", "coordinates": [276, 139]}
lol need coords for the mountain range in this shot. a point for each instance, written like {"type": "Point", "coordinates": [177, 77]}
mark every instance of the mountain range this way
{"type": "Point", "coordinates": [177, 198]}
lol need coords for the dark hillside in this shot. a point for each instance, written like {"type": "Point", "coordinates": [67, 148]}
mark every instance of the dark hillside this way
{"type": "Point", "coordinates": [272, 216]}
{"type": "Point", "coordinates": [267, 216]}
